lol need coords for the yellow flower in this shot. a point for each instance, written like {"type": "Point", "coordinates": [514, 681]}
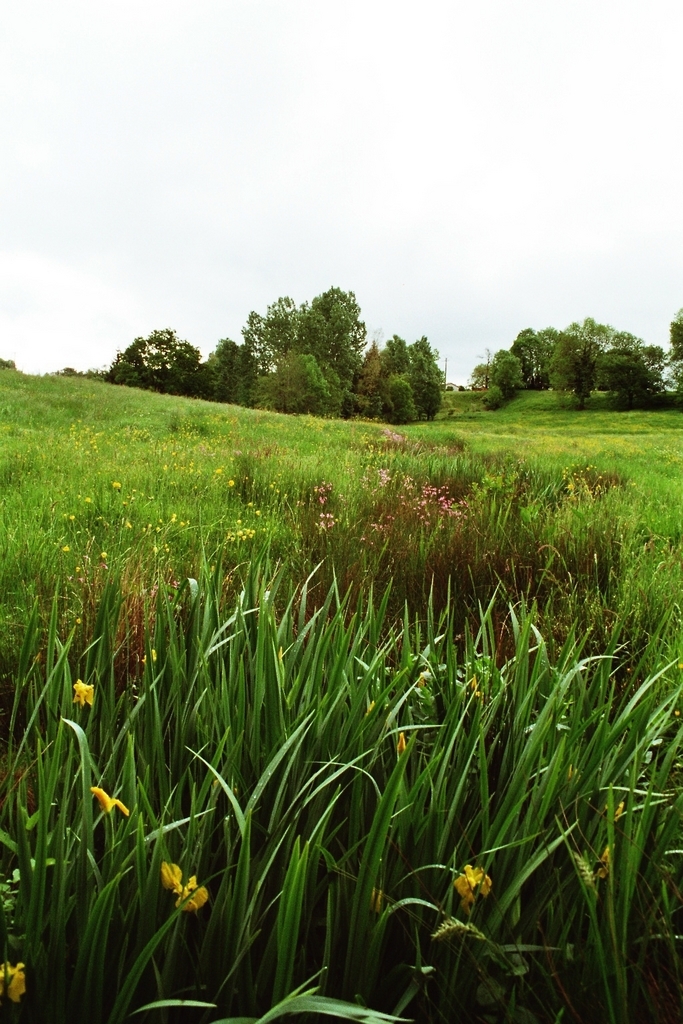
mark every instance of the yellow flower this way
{"type": "Point", "coordinates": [108, 803]}
{"type": "Point", "coordinates": [468, 885]}
{"type": "Point", "coordinates": [172, 878]}
{"type": "Point", "coordinates": [116, 485]}
{"type": "Point", "coordinates": [66, 548]}
{"type": "Point", "coordinates": [83, 693]}
{"type": "Point", "coordinates": [14, 982]}
{"type": "Point", "coordinates": [602, 870]}
{"type": "Point", "coordinates": [231, 483]}
{"type": "Point", "coordinates": [103, 555]}
{"type": "Point", "coordinates": [401, 745]}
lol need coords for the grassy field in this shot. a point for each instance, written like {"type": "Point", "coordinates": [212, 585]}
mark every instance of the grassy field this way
{"type": "Point", "coordinates": [404, 703]}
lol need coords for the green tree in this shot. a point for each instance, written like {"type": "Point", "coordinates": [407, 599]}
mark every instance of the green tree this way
{"type": "Point", "coordinates": [372, 385]}
{"type": "Point", "coordinates": [296, 385]}
{"type": "Point", "coordinates": [480, 378]}
{"type": "Point", "coordinates": [425, 378]}
{"type": "Point", "coordinates": [161, 362]}
{"type": "Point", "coordinates": [632, 371]}
{"type": "Point", "coordinates": [573, 367]}
{"type": "Point", "coordinates": [7, 364]}
{"type": "Point", "coordinates": [331, 330]}
{"type": "Point", "coordinates": [534, 349]}
{"type": "Point", "coordinates": [395, 356]}
{"type": "Point", "coordinates": [225, 372]}
{"type": "Point", "coordinates": [506, 373]}
{"type": "Point", "coordinates": [676, 336]}
{"type": "Point", "coordinates": [400, 407]}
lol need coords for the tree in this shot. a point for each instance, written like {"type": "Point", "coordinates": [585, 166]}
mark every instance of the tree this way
{"type": "Point", "coordinates": [506, 373]}
{"type": "Point", "coordinates": [425, 378]}
{"type": "Point", "coordinates": [224, 369]}
{"type": "Point", "coordinates": [480, 378]}
{"type": "Point", "coordinates": [676, 336]}
{"type": "Point", "coordinates": [573, 366]}
{"type": "Point", "coordinates": [296, 385]}
{"type": "Point", "coordinates": [371, 390]}
{"type": "Point", "coordinates": [631, 370]}
{"type": "Point", "coordinates": [534, 349]}
{"type": "Point", "coordinates": [7, 364]}
{"type": "Point", "coordinates": [329, 329]}
{"type": "Point", "coordinates": [395, 356]}
{"type": "Point", "coordinates": [162, 362]}
{"type": "Point", "coordinates": [400, 406]}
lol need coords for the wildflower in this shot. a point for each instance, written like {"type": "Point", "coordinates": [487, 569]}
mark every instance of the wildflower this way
{"type": "Point", "coordinates": [468, 885]}
{"type": "Point", "coordinates": [116, 485]}
{"type": "Point", "coordinates": [108, 803]}
{"type": "Point", "coordinates": [376, 900]}
{"type": "Point", "coordinates": [66, 548]}
{"type": "Point", "coordinates": [14, 982]}
{"type": "Point", "coordinates": [218, 471]}
{"type": "Point", "coordinates": [77, 569]}
{"type": "Point", "coordinates": [231, 483]}
{"type": "Point", "coordinates": [172, 878]}
{"type": "Point", "coordinates": [602, 870]}
{"type": "Point", "coordinates": [88, 501]}
{"type": "Point", "coordinates": [103, 555]}
{"type": "Point", "coordinates": [677, 713]}
{"type": "Point", "coordinates": [401, 745]}
{"type": "Point", "coordinates": [83, 693]}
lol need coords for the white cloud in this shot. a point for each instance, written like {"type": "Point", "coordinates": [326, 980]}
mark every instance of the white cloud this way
{"type": "Point", "coordinates": [468, 168]}
{"type": "Point", "coordinates": [53, 315]}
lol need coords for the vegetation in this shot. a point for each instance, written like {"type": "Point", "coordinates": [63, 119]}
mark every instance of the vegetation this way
{"type": "Point", "coordinates": [394, 715]}
{"type": "Point", "coordinates": [295, 359]}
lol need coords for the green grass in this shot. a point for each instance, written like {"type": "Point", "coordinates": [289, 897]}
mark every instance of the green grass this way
{"type": "Point", "coordinates": [578, 512]}
{"type": "Point", "coordinates": [258, 751]}
{"type": "Point", "coordinates": [333, 664]}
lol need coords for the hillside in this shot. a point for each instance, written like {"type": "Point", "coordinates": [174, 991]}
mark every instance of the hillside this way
{"type": "Point", "coordinates": [289, 699]}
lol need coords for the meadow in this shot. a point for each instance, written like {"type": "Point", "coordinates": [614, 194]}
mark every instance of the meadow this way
{"type": "Point", "coordinates": [391, 716]}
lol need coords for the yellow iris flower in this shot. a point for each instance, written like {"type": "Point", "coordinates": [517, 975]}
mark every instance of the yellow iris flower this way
{"type": "Point", "coordinates": [172, 878]}
{"type": "Point", "coordinates": [602, 870]}
{"type": "Point", "coordinates": [13, 982]}
{"type": "Point", "coordinates": [468, 885]}
{"type": "Point", "coordinates": [83, 693]}
{"type": "Point", "coordinates": [108, 803]}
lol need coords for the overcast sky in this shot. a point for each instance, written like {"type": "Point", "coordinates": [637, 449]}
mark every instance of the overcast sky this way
{"type": "Point", "coordinates": [468, 169]}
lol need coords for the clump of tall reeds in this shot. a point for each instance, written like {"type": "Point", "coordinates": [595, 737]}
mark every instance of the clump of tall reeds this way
{"type": "Point", "coordinates": [284, 797]}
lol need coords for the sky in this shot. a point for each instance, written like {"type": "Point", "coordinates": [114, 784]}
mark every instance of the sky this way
{"type": "Point", "coordinates": [468, 169]}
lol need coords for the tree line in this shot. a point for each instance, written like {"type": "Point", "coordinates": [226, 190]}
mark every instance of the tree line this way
{"type": "Point", "coordinates": [583, 358]}
{"type": "Point", "coordinates": [312, 358]}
